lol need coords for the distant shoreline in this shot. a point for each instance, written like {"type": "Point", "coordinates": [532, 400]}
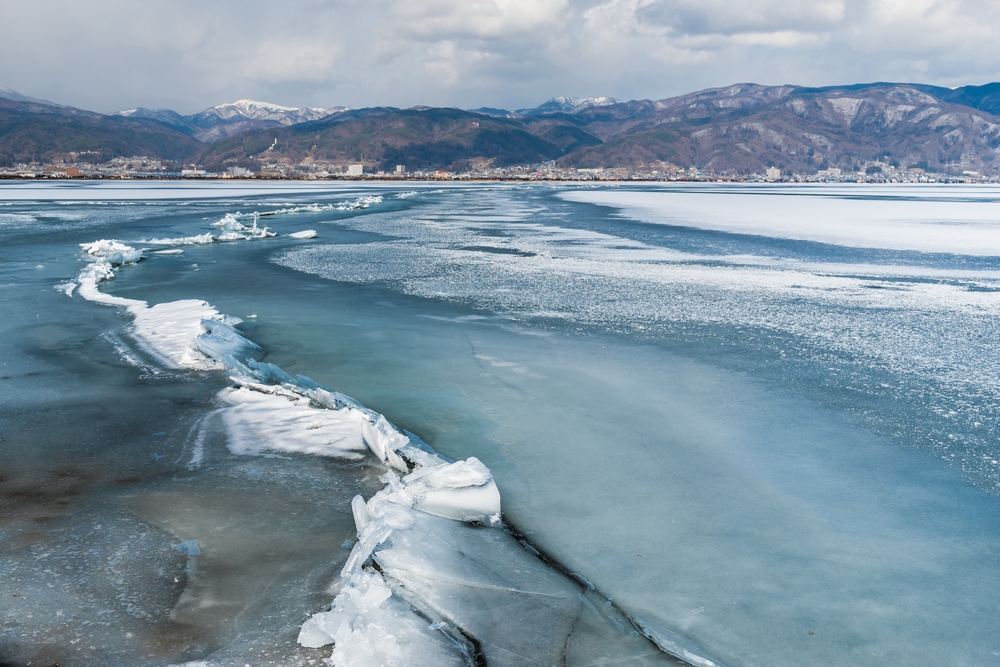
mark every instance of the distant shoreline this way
{"type": "Point", "coordinates": [933, 180]}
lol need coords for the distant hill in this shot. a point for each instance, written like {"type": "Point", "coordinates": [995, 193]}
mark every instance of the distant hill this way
{"type": "Point", "coordinates": [985, 98]}
{"type": "Point", "coordinates": [568, 105]}
{"type": "Point", "coordinates": [31, 131]}
{"type": "Point", "coordinates": [746, 128]}
{"type": "Point", "coordinates": [8, 94]}
{"type": "Point", "coordinates": [738, 129]}
{"type": "Point", "coordinates": [384, 137]}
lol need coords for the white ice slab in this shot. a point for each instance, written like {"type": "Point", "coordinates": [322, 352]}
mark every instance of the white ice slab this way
{"type": "Point", "coordinates": [257, 423]}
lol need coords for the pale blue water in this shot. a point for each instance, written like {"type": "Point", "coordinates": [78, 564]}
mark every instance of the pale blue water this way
{"type": "Point", "coordinates": [780, 445]}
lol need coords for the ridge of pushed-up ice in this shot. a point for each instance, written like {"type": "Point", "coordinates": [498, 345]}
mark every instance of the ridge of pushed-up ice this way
{"type": "Point", "coordinates": [430, 545]}
{"type": "Point", "coordinates": [191, 334]}
{"type": "Point", "coordinates": [257, 422]}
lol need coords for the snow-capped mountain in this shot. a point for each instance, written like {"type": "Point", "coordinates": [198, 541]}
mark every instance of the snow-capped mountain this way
{"type": "Point", "coordinates": [252, 110]}
{"type": "Point", "coordinates": [227, 120]}
{"type": "Point", "coordinates": [9, 94]}
{"type": "Point", "coordinates": [568, 105]}
{"type": "Point", "coordinates": [165, 116]}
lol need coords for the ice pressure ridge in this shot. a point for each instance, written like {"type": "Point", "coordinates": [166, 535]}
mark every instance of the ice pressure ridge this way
{"type": "Point", "coordinates": [232, 230]}
{"type": "Point", "coordinates": [434, 577]}
{"type": "Point", "coordinates": [233, 227]}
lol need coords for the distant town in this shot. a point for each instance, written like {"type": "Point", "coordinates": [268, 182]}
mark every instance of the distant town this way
{"type": "Point", "coordinates": [140, 167]}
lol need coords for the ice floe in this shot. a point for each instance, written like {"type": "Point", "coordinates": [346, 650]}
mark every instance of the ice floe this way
{"type": "Point", "coordinates": [113, 252]}
{"type": "Point", "coordinates": [234, 230]}
{"type": "Point", "coordinates": [188, 548]}
{"type": "Point", "coordinates": [67, 287]}
{"type": "Point", "coordinates": [200, 239]}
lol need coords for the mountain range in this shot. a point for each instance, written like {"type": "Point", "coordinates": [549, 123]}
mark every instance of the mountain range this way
{"type": "Point", "coordinates": [738, 129]}
{"type": "Point", "coordinates": [227, 120]}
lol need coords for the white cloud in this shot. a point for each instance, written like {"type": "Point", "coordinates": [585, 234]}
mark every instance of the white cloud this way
{"type": "Point", "coordinates": [276, 61]}
{"type": "Point", "coordinates": [110, 54]}
{"type": "Point", "coordinates": [699, 17]}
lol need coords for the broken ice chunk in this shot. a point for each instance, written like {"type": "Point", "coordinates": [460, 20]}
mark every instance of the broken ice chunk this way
{"type": "Point", "coordinates": [383, 439]}
{"type": "Point", "coordinates": [370, 627]}
{"type": "Point", "coordinates": [463, 490]}
{"type": "Point", "coordinates": [360, 510]}
{"type": "Point", "coordinates": [481, 580]}
{"type": "Point", "coordinates": [188, 548]}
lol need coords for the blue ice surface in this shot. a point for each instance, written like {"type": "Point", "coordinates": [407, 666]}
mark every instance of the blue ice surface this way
{"type": "Point", "coordinates": [784, 449]}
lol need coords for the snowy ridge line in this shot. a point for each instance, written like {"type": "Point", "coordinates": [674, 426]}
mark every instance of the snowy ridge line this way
{"type": "Point", "coordinates": [431, 544]}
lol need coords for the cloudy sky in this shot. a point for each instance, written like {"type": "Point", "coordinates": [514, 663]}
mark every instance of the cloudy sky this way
{"type": "Point", "coordinates": [107, 55]}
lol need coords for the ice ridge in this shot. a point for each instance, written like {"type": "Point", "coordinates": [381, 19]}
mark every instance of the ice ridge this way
{"type": "Point", "coordinates": [234, 229]}
{"type": "Point", "coordinates": [352, 205]}
{"type": "Point", "coordinates": [431, 544]}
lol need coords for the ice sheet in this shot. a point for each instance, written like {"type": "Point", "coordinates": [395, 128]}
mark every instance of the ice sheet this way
{"type": "Point", "coordinates": [823, 214]}
{"type": "Point", "coordinates": [742, 492]}
{"type": "Point", "coordinates": [897, 313]}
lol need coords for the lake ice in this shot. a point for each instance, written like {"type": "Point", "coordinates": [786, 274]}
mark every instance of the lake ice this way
{"type": "Point", "coordinates": [552, 424]}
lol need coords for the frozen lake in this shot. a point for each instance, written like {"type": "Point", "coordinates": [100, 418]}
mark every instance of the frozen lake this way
{"type": "Point", "coordinates": [735, 425]}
